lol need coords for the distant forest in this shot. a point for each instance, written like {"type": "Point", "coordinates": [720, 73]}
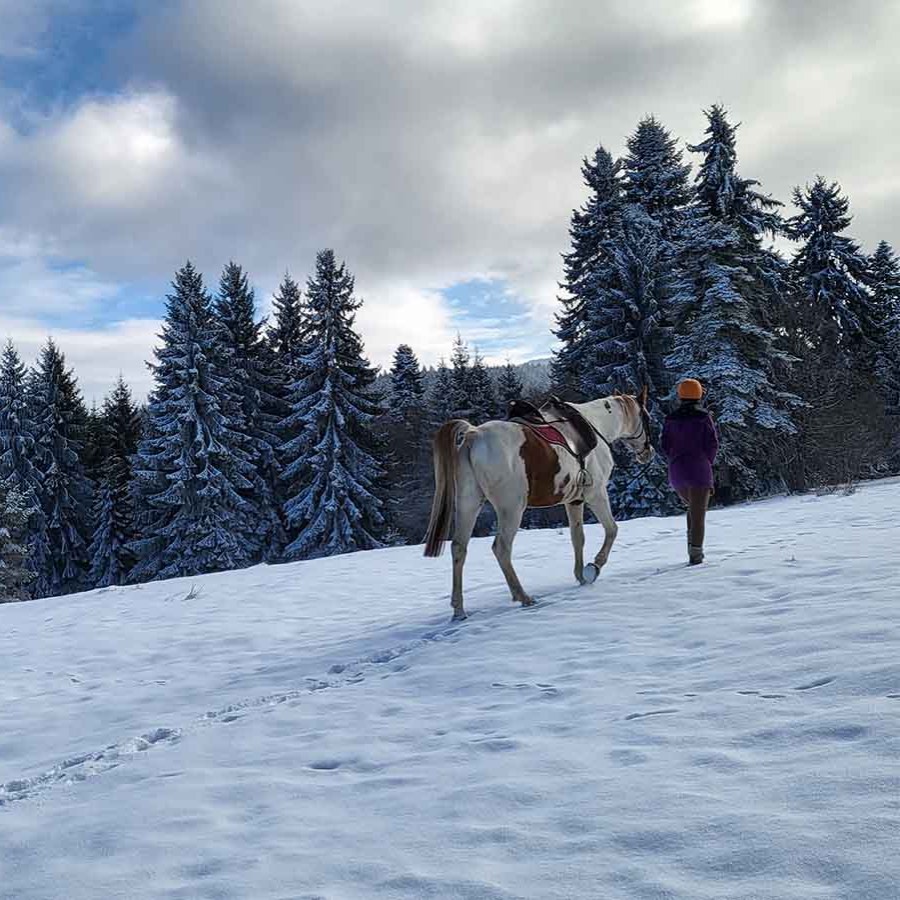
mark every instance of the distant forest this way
{"type": "Point", "coordinates": [278, 440]}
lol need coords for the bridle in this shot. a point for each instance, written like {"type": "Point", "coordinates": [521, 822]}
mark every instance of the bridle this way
{"type": "Point", "coordinates": [642, 432]}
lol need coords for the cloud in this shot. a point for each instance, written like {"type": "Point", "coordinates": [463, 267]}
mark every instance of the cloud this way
{"type": "Point", "coordinates": [431, 144]}
{"type": "Point", "coordinates": [97, 355]}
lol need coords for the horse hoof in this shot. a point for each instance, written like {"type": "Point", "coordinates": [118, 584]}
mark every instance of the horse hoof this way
{"type": "Point", "coordinates": [528, 601]}
{"type": "Point", "coordinates": [591, 572]}
{"type": "Point", "coordinates": [458, 617]}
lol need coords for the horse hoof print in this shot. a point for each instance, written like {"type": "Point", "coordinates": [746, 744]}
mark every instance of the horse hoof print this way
{"type": "Point", "coordinates": [590, 573]}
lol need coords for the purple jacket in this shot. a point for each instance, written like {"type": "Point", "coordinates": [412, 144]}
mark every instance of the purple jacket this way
{"type": "Point", "coordinates": [690, 444]}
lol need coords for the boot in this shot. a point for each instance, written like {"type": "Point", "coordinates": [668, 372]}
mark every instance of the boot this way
{"type": "Point", "coordinates": [695, 555]}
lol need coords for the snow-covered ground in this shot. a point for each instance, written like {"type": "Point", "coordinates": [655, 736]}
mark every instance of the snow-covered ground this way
{"type": "Point", "coordinates": [322, 730]}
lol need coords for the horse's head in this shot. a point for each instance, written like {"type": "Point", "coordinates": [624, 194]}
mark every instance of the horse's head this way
{"type": "Point", "coordinates": [638, 436]}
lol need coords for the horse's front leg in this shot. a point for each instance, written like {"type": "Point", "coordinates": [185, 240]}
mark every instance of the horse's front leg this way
{"type": "Point", "coordinates": [509, 518]}
{"type": "Point", "coordinates": [599, 504]}
{"type": "Point", "coordinates": [575, 513]}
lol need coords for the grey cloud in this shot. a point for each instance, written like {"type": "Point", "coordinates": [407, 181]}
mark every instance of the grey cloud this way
{"type": "Point", "coordinates": [429, 147]}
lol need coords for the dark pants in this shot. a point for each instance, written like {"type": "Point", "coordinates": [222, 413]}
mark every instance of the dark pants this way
{"type": "Point", "coordinates": [696, 499]}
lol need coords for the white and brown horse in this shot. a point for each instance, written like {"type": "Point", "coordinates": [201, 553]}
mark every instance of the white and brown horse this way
{"type": "Point", "coordinates": [510, 466]}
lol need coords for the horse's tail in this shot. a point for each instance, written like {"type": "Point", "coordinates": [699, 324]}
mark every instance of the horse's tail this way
{"type": "Point", "coordinates": [448, 442]}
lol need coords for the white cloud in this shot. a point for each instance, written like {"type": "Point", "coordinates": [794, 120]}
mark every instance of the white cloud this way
{"type": "Point", "coordinates": [97, 355]}
{"type": "Point", "coordinates": [428, 144]}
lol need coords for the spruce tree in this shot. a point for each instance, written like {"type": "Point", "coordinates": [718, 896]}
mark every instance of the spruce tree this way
{"type": "Point", "coordinates": [114, 515]}
{"type": "Point", "coordinates": [721, 342]}
{"type": "Point", "coordinates": [60, 424]}
{"type": "Point", "coordinates": [189, 466]}
{"type": "Point", "coordinates": [590, 231]}
{"type": "Point", "coordinates": [719, 309]}
{"type": "Point", "coordinates": [249, 398]}
{"type": "Point", "coordinates": [16, 569]}
{"type": "Point", "coordinates": [407, 388]}
{"type": "Point", "coordinates": [17, 442]}
{"type": "Point", "coordinates": [481, 391]}
{"type": "Point", "coordinates": [884, 279]}
{"type": "Point", "coordinates": [722, 192]}
{"type": "Point", "coordinates": [286, 333]}
{"type": "Point", "coordinates": [656, 179]}
{"type": "Point", "coordinates": [460, 385]}
{"type": "Point", "coordinates": [440, 397]}
{"type": "Point", "coordinates": [407, 432]}
{"type": "Point", "coordinates": [832, 274]}
{"type": "Point", "coordinates": [332, 474]}
{"type": "Point", "coordinates": [626, 321]}
{"type": "Point", "coordinates": [509, 388]}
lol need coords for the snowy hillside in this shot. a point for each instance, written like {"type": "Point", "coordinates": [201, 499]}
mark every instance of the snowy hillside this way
{"type": "Point", "coordinates": [321, 730]}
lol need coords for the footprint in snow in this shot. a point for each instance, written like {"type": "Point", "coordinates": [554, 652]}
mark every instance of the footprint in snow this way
{"type": "Point", "coordinates": [652, 712]}
{"type": "Point", "coordinates": [819, 682]}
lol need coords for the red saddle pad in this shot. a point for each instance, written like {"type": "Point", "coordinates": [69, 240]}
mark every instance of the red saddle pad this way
{"type": "Point", "coordinates": [550, 434]}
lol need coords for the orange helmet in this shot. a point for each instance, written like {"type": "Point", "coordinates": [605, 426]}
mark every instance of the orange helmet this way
{"type": "Point", "coordinates": [690, 389]}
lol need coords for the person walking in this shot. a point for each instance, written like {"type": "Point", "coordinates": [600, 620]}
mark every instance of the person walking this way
{"type": "Point", "coordinates": [690, 444]}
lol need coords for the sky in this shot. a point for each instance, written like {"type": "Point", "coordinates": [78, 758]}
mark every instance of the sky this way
{"type": "Point", "coordinates": [435, 147]}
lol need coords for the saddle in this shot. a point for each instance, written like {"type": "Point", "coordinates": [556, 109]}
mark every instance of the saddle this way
{"type": "Point", "coordinates": [557, 422]}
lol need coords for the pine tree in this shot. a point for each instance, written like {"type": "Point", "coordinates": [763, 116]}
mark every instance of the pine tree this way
{"type": "Point", "coordinates": [629, 332]}
{"type": "Point", "coordinates": [250, 400]}
{"type": "Point", "coordinates": [832, 274]}
{"type": "Point", "coordinates": [725, 195]}
{"type": "Point", "coordinates": [591, 230]}
{"type": "Point", "coordinates": [440, 398]}
{"type": "Point", "coordinates": [407, 432]}
{"type": "Point", "coordinates": [95, 451]}
{"type": "Point", "coordinates": [656, 178]}
{"type": "Point", "coordinates": [630, 337]}
{"type": "Point", "coordinates": [884, 278]}
{"type": "Point", "coordinates": [460, 388]}
{"type": "Point", "coordinates": [189, 463]}
{"type": "Point", "coordinates": [721, 342]}
{"type": "Point", "coordinates": [286, 334]}
{"type": "Point", "coordinates": [114, 515]}
{"type": "Point", "coordinates": [332, 473]}
{"type": "Point", "coordinates": [60, 424]}
{"type": "Point", "coordinates": [481, 391]}
{"type": "Point", "coordinates": [16, 569]}
{"type": "Point", "coordinates": [722, 292]}
{"type": "Point", "coordinates": [407, 388]}
{"type": "Point", "coordinates": [509, 388]}
{"type": "Point", "coordinates": [17, 444]}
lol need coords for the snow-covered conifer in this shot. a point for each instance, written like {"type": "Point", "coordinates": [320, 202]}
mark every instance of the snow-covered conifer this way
{"type": "Point", "coordinates": [590, 232]}
{"type": "Point", "coordinates": [250, 399]}
{"type": "Point", "coordinates": [331, 470]}
{"type": "Point", "coordinates": [832, 273]}
{"type": "Point", "coordinates": [16, 568]}
{"type": "Point", "coordinates": [509, 388]}
{"type": "Point", "coordinates": [60, 419]}
{"type": "Point", "coordinates": [481, 391]}
{"type": "Point", "coordinates": [189, 466]}
{"type": "Point", "coordinates": [114, 519]}
{"type": "Point", "coordinates": [440, 397]}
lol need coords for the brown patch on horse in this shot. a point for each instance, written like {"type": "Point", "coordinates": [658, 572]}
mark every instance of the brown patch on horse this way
{"type": "Point", "coordinates": [541, 468]}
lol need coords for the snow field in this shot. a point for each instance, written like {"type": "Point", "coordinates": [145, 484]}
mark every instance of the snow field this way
{"type": "Point", "coordinates": [321, 729]}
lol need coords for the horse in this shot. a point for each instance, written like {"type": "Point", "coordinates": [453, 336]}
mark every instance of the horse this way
{"type": "Point", "coordinates": [508, 464]}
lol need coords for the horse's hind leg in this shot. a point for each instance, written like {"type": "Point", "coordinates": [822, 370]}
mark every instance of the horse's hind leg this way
{"type": "Point", "coordinates": [575, 513]}
{"type": "Point", "coordinates": [469, 501]}
{"type": "Point", "coordinates": [599, 504]}
{"type": "Point", "coordinates": [509, 518]}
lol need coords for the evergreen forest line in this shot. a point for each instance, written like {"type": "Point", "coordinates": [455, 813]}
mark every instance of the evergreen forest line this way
{"type": "Point", "coordinates": [269, 441]}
